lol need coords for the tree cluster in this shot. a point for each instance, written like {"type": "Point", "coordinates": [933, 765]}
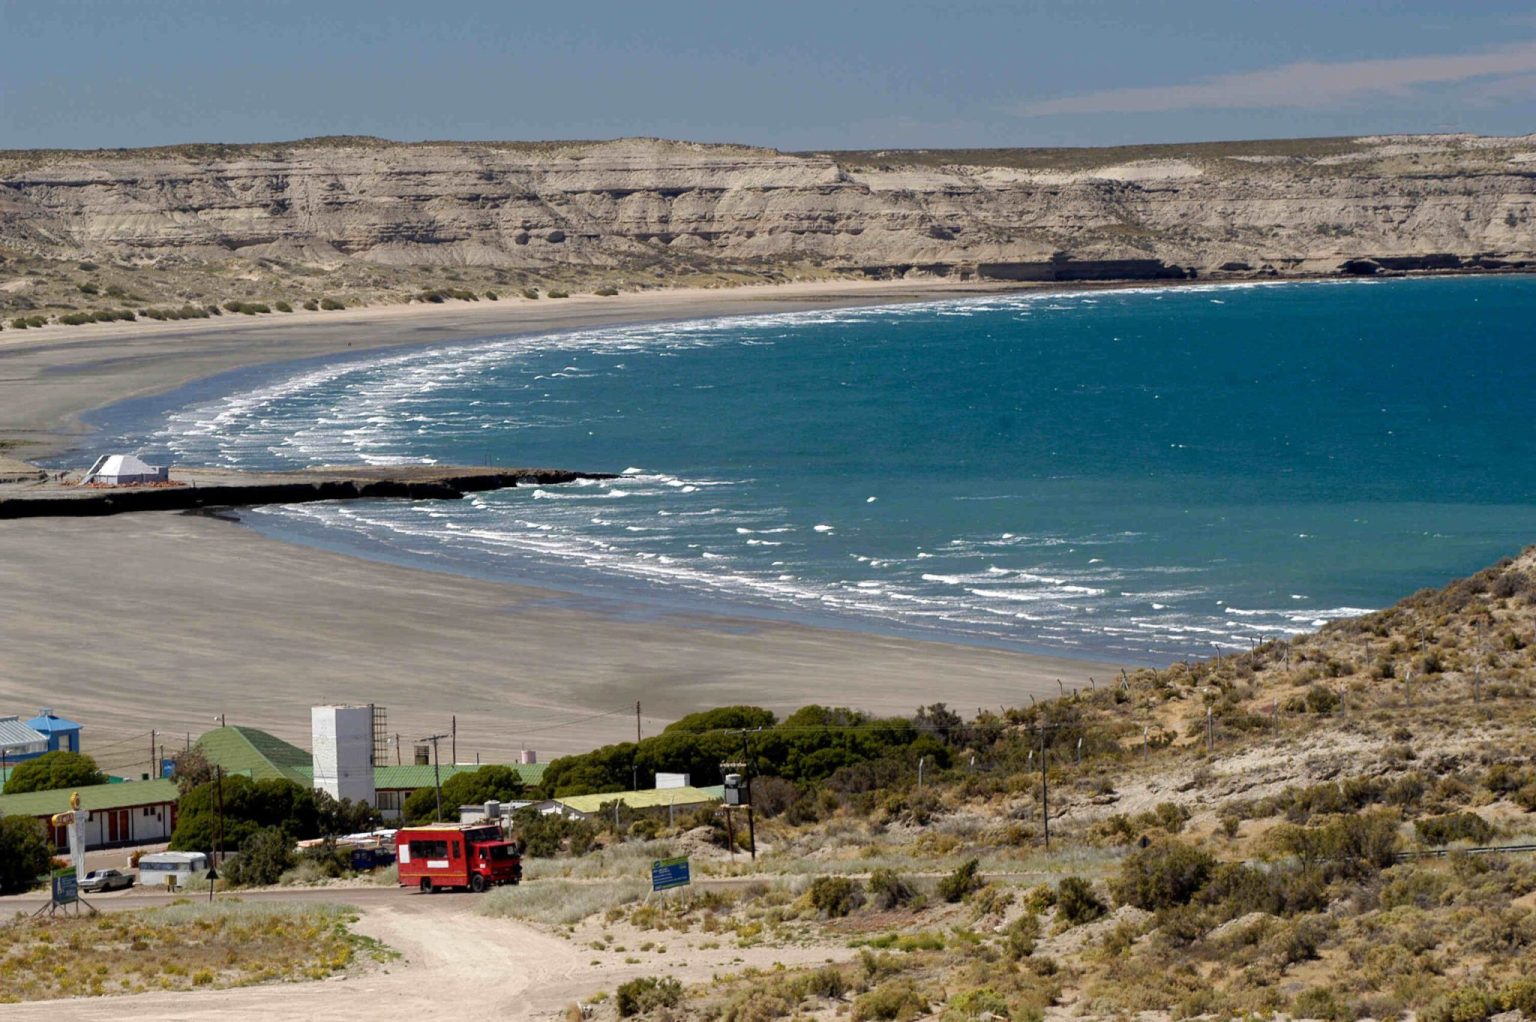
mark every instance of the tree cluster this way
{"type": "Point", "coordinates": [251, 806]}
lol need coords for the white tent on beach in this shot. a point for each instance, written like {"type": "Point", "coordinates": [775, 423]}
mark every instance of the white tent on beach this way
{"type": "Point", "coordinates": [125, 470]}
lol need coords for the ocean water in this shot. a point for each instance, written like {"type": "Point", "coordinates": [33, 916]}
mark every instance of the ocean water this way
{"type": "Point", "coordinates": [1137, 474]}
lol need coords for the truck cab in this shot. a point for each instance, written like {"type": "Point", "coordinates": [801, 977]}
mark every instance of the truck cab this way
{"type": "Point", "coordinates": [440, 856]}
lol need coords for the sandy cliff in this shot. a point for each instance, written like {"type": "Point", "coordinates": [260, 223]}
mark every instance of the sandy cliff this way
{"type": "Point", "coordinates": [666, 207]}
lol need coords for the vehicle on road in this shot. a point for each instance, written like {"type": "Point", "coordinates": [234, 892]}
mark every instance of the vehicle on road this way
{"type": "Point", "coordinates": [447, 855]}
{"type": "Point", "coordinates": [106, 880]}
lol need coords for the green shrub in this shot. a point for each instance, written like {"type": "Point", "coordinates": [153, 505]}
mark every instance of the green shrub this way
{"type": "Point", "coordinates": [492, 296]}
{"type": "Point", "coordinates": [606, 292]}
{"type": "Point", "coordinates": [835, 896]}
{"type": "Point", "coordinates": [24, 854]}
{"type": "Point", "coordinates": [827, 981]}
{"type": "Point", "coordinates": [331, 304]}
{"type": "Point", "coordinates": [1464, 1004]}
{"type": "Point", "coordinates": [312, 305]}
{"type": "Point", "coordinates": [1019, 939]}
{"type": "Point", "coordinates": [896, 1001]}
{"type": "Point", "coordinates": [1525, 798]}
{"type": "Point", "coordinates": [1347, 846]}
{"type": "Point", "coordinates": [1162, 875]}
{"type": "Point", "coordinates": [282, 307]}
{"type": "Point", "coordinates": [559, 294]}
{"type": "Point", "coordinates": [647, 994]}
{"type": "Point", "coordinates": [530, 292]}
{"type": "Point", "coordinates": [979, 1002]}
{"type": "Point", "coordinates": [890, 890]}
{"type": "Point", "coordinates": [1321, 699]}
{"type": "Point", "coordinates": [52, 771]}
{"type": "Point", "coordinates": [1320, 1003]}
{"type": "Point", "coordinates": [1519, 996]}
{"type": "Point", "coordinates": [1438, 831]}
{"type": "Point", "coordinates": [963, 881]}
{"type": "Point", "coordinates": [264, 857]}
{"type": "Point", "coordinates": [1076, 902]}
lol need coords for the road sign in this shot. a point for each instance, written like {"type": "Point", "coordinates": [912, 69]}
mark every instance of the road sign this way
{"type": "Point", "coordinates": [668, 873]}
{"type": "Point", "coordinates": [66, 888]}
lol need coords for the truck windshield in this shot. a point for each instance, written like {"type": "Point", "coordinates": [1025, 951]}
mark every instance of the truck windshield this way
{"type": "Point", "coordinates": [497, 852]}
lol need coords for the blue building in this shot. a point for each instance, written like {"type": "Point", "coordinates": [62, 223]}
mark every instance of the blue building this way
{"type": "Point", "coordinates": [61, 734]}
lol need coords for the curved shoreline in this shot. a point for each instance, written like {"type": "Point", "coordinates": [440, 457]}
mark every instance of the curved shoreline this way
{"type": "Point", "coordinates": [53, 381]}
{"type": "Point", "coordinates": [223, 619]}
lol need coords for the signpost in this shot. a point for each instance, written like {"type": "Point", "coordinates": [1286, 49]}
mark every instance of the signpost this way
{"type": "Point", "coordinates": [669, 873]}
{"type": "Point", "coordinates": [66, 889]}
{"type": "Point", "coordinates": [66, 885]}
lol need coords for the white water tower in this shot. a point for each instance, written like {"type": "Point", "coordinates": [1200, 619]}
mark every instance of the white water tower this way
{"type": "Point", "coordinates": [342, 738]}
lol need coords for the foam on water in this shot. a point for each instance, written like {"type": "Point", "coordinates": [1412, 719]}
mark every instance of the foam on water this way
{"type": "Point", "coordinates": [1139, 473]}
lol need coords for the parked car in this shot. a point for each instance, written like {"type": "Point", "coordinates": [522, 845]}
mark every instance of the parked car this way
{"type": "Point", "coordinates": [106, 880]}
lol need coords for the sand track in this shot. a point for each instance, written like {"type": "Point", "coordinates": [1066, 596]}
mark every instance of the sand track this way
{"type": "Point", "coordinates": [476, 966]}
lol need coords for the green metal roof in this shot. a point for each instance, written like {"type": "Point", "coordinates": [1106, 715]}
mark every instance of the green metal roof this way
{"type": "Point", "coordinates": [258, 755]}
{"type": "Point", "coordinates": [410, 776]}
{"type": "Point", "coordinates": [94, 798]}
{"type": "Point", "coordinates": [656, 798]}
{"type": "Point", "coordinates": [255, 753]}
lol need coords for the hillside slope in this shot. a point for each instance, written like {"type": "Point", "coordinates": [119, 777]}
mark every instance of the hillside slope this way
{"type": "Point", "coordinates": [659, 208]}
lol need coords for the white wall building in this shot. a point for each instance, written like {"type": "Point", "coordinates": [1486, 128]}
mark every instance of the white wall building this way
{"type": "Point", "coordinates": [342, 739]}
{"type": "Point", "coordinates": [125, 470]}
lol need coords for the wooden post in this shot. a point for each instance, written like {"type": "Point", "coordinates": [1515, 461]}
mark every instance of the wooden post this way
{"type": "Point", "coordinates": [1045, 793]}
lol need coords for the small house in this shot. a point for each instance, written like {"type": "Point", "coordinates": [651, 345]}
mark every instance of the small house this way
{"type": "Point", "coordinates": [63, 735]}
{"type": "Point", "coordinates": [110, 815]}
{"type": "Point", "coordinates": [125, 470]}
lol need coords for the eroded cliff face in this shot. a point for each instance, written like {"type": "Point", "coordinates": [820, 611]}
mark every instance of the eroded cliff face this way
{"type": "Point", "coordinates": [1207, 210]}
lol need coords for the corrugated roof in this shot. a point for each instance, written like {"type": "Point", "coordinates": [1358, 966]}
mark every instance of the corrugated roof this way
{"type": "Point", "coordinates": [95, 797]}
{"type": "Point", "coordinates": [410, 776]}
{"type": "Point", "coordinates": [259, 755]}
{"type": "Point", "coordinates": [655, 798]}
{"type": "Point", "coordinates": [255, 753]}
{"type": "Point", "coordinates": [14, 733]}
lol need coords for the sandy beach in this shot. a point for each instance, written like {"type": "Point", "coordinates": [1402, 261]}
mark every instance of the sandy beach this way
{"type": "Point", "coordinates": [165, 621]}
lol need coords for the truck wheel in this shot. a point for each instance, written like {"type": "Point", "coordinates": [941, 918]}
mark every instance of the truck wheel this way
{"type": "Point", "coordinates": [477, 883]}
{"type": "Point", "coordinates": [426, 885]}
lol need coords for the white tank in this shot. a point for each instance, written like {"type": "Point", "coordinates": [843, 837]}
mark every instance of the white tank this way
{"type": "Point", "coordinates": [342, 739]}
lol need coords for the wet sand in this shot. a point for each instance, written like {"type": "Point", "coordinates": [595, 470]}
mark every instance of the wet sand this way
{"type": "Point", "coordinates": [164, 621]}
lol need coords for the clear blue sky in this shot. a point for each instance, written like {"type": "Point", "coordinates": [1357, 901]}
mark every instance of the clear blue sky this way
{"type": "Point", "coordinates": [780, 73]}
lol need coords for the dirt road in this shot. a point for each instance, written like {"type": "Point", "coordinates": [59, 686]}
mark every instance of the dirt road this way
{"type": "Point", "coordinates": [479, 968]}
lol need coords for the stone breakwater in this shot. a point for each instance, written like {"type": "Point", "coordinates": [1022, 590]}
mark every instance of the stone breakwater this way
{"type": "Point", "coordinates": [1208, 210]}
{"type": "Point", "coordinates": [214, 488]}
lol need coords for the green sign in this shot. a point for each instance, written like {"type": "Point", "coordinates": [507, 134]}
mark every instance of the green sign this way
{"type": "Point", "coordinates": [668, 873]}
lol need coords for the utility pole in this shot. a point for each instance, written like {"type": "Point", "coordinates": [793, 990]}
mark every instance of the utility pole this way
{"type": "Point", "coordinates": [746, 766]}
{"type": "Point", "coordinates": [634, 763]}
{"type": "Point", "coordinates": [397, 748]}
{"type": "Point", "coordinates": [154, 767]}
{"type": "Point", "coordinates": [437, 774]}
{"type": "Point", "coordinates": [1045, 794]}
{"type": "Point", "coordinates": [453, 729]}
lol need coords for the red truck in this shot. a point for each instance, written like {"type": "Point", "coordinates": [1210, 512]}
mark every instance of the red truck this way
{"type": "Point", "coordinates": [441, 855]}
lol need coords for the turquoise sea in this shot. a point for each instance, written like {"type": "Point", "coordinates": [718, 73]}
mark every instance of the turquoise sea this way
{"type": "Point", "coordinates": [1131, 474]}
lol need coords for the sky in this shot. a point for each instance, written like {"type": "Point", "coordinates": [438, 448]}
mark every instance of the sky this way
{"type": "Point", "coordinates": [782, 73]}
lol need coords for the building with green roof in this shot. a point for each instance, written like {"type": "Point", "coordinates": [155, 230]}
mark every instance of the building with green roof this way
{"type": "Point", "coordinates": [587, 806]}
{"type": "Point", "coordinates": [110, 815]}
{"type": "Point", "coordinates": [256, 754]}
